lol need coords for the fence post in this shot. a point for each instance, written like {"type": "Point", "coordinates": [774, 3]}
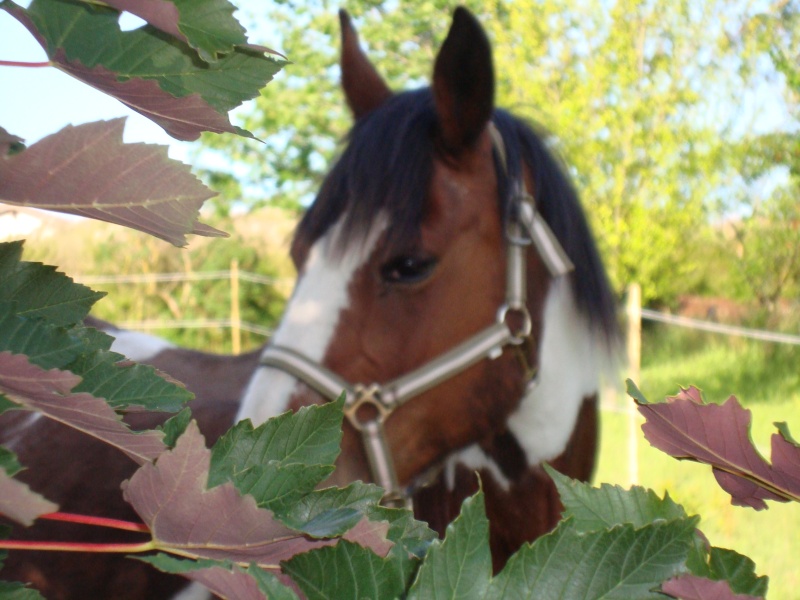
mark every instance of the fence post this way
{"type": "Point", "coordinates": [236, 319]}
{"type": "Point", "coordinates": [633, 313]}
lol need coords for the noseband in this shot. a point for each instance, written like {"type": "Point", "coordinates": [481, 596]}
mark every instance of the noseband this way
{"type": "Point", "coordinates": [367, 407]}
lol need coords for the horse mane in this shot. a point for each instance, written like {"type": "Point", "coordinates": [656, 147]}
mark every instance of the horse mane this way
{"type": "Point", "coordinates": [387, 166]}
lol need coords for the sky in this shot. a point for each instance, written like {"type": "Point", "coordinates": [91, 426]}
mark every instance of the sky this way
{"type": "Point", "coordinates": [35, 102]}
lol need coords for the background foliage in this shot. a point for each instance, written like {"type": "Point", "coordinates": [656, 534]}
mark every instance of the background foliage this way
{"type": "Point", "coordinates": [655, 108]}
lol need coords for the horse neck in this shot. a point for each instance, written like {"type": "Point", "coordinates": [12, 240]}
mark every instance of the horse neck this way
{"type": "Point", "coordinates": [555, 422]}
{"type": "Point", "coordinates": [519, 509]}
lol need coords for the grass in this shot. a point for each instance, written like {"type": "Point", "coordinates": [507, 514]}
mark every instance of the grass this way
{"type": "Point", "coordinates": [766, 379]}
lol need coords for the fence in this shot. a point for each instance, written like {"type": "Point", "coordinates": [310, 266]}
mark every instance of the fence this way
{"type": "Point", "coordinates": [234, 321]}
{"type": "Point", "coordinates": [634, 315]}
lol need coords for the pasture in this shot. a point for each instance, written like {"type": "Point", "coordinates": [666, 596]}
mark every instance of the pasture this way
{"type": "Point", "coordinates": [765, 378]}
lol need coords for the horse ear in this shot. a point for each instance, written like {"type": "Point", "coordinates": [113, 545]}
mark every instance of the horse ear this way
{"type": "Point", "coordinates": [364, 89]}
{"type": "Point", "coordinates": [463, 82]}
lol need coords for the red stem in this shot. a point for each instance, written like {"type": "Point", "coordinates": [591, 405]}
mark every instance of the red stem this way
{"type": "Point", "coordinates": [96, 521]}
{"type": "Point", "coordinates": [76, 546]}
{"type": "Point", "coordinates": [16, 63]}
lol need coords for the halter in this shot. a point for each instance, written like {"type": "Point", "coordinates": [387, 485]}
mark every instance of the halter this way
{"type": "Point", "coordinates": [367, 407]}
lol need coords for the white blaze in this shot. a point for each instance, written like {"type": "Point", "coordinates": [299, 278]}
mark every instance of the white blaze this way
{"type": "Point", "coordinates": [310, 319]}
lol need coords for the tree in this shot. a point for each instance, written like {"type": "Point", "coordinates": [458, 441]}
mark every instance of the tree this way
{"type": "Point", "coordinates": [630, 92]}
{"type": "Point", "coordinates": [766, 252]}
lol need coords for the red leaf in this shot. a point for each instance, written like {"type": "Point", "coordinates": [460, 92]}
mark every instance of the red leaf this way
{"type": "Point", "coordinates": [691, 587]}
{"type": "Point", "coordinates": [184, 118]}
{"type": "Point", "coordinates": [187, 519]}
{"type": "Point", "coordinates": [19, 503]}
{"type": "Point", "coordinates": [88, 171]}
{"type": "Point", "coordinates": [719, 435]}
{"type": "Point", "coordinates": [48, 392]}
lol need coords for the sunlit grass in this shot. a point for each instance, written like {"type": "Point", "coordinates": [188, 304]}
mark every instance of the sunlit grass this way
{"type": "Point", "coordinates": [766, 379]}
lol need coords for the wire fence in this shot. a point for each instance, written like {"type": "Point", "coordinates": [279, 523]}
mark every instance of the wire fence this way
{"type": "Point", "coordinates": [181, 276]}
{"type": "Point", "coordinates": [634, 312]}
{"type": "Point", "coordinates": [259, 279]}
{"type": "Point", "coordinates": [233, 322]}
{"type": "Point", "coordinates": [713, 327]}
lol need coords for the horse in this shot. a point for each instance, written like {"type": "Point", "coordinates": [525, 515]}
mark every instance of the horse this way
{"type": "Point", "coordinates": [449, 282]}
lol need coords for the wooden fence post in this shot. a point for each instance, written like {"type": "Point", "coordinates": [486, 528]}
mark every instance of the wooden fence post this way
{"type": "Point", "coordinates": [236, 319]}
{"type": "Point", "coordinates": [633, 312]}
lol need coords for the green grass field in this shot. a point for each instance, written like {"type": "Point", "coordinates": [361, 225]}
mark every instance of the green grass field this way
{"type": "Point", "coordinates": [766, 379]}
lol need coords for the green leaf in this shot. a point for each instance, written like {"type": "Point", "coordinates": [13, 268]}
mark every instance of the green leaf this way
{"type": "Point", "coordinates": [47, 345]}
{"type": "Point", "coordinates": [739, 571]}
{"type": "Point", "coordinates": [414, 536]}
{"type": "Point", "coordinates": [12, 590]}
{"type": "Point", "coordinates": [9, 462]}
{"type": "Point", "coordinates": [223, 577]}
{"type": "Point", "coordinates": [309, 437]}
{"type": "Point", "coordinates": [270, 585]}
{"type": "Point", "coordinates": [345, 570]}
{"type": "Point", "coordinates": [634, 392]}
{"type": "Point", "coordinates": [124, 384]}
{"type": "Point", "coordinates": [179, 566]}
{"type": "Point", "coordinates": [592, 509]}
{"type": "Point", "coordinates": [461, 565]}
{"type": "Point", "coordinates": [332, 511]}
{"type": "Point", "coordinates": [208, 26]}
{"type": "Point", "coordinates": [41, 291]}
{"type": "Point", "coordinates": [620, 563]}
{"type": "Point", "coordinates": [174, 427]}
{"type": "Point", "coordinates": [783, 429]}
{"type": "Point", "coordinates": [277, 486]}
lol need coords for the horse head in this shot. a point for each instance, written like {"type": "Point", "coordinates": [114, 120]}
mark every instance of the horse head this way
{"type": "Point", "coordinates": [409, 257]}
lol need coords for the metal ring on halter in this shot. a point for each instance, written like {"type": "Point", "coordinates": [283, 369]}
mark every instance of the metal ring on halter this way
{"type": "Point", "coordinates": [366, 395]}
{"type": "Point", "coordinates": [524, 332]}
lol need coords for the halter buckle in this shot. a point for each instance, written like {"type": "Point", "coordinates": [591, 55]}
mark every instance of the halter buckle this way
{"type": "Point", "coordinates": [368, 398]}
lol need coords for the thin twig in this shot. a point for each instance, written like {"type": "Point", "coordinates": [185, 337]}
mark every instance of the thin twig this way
{"type": "Point", "coordinates": [16, 63]}
{"type": "Point", "coordinates": [96, 521]}
{"type": "Point", "coordinates": [76, 546]}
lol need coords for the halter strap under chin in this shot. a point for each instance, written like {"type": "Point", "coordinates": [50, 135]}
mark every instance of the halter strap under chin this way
{"type": "Point", "coordinates": [367, 407]}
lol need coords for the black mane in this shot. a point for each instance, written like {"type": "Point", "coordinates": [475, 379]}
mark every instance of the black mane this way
{"type": "Point", "coordinates": [388, 165]}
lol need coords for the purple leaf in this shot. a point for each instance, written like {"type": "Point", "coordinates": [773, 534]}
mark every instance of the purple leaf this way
{"type": "Point", "coordinates": [691, 587]}
{"type": "Point", "coordinates": [19, 503]}
{"type": "Point", "coordinates": [48, 392]}
{"type": "Point", "coordinates": [184, 118]}
{"type": "Point", "coordinates": [86, 170]}
{"type": "Point", "coordinates": [187, 519]}
{"type": "Point", "coordinates": [719, 435]}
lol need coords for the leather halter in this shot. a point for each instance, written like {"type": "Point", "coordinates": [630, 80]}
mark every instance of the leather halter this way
{"type": "Point", "coordinates": [367, 407]}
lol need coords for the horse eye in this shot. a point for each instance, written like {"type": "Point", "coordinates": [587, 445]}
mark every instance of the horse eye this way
{"type": "Point", "coordinates": [407, 269]}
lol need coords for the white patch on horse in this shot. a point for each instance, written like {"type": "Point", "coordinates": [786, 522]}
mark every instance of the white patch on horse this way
{"type": "Point", "coordinates": [569, 369]}
{"type": "Point", "coordinates": [138, 346]}
{"type": "Point", "coordinates": [193, 591]}
{"type": "Point", "coordinates": [474, 458]}
{"type": "Point", "coordinates": [310, 318]}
